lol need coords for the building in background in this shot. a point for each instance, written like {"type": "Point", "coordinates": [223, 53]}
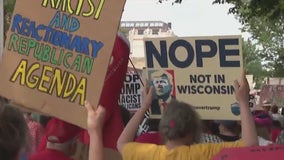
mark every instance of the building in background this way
{"type": "Point", "coordinates": [137, 30]}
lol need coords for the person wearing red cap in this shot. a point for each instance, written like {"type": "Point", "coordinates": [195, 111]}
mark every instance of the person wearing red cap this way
{"type": "Point", "coordinates": [61, 141]}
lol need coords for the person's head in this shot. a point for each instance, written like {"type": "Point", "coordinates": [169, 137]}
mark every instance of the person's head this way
{"type": "Point", "coordinates": [274, 109]}
{"type": "Point", "coordinates": [162, 82]}
{"type": "Point", "coordinates": [266, 106]}
{"type": "Point", "coordinates": [180, 121]}
{"type": "Point", "coordinates": [13, 132]}
{"type": "Point", "coordinates": [263, 124]}
{"type": "Point", "coordinates": [209, 126]}
{"type": "Point", "coordinates": [27, 115]}
{"type": "Point", "coordinates": [263, 119]}
{"type": "Point", "coordinates": [43, 120]}
{"type": "Point", "coordinates": [228, 126]}
{"type": "Point", "coordinates": [62, 136]}
{"type": "Point", "coordinates": [3, 101]}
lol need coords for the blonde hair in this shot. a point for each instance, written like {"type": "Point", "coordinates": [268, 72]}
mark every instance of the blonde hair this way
{"type": "Point", "coordinates": [160, 73]}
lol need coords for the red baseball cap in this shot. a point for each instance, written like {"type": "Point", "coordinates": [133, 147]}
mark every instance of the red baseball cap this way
{"type": "Point", "coordinates": [59, 131]}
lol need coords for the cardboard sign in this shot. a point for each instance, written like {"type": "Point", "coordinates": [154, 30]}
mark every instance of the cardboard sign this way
{"type": "Point", "coordinates": [131, 93]}
{"type": "Point", "coordinates": [274, 152]}
{"type": "Point", "coordinates": [57, 53]}
{"type": "Point", "coordinates": [273, 94]}
{"type": "Point", "coordinates": [196, 70]}
{"type": "Point", "coordinates": [275, 80]}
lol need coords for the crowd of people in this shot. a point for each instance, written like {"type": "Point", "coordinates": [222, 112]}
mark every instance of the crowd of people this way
{"type": "Point", "coordinates": [179, 134]}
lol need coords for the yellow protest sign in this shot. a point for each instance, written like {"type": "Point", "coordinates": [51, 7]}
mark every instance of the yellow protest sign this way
{"type": "Point", "coordinates": [196, 70]}
{"type": "Point", "coordinates": [57, 53]}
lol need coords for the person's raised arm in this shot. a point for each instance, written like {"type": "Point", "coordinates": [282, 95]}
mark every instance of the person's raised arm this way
{"type": "Point", "coordinates": [95, 123]}
{"type": "Point", "coordinates": [129, 132]}
{"type": "Point", "coordinates": [249, 135]}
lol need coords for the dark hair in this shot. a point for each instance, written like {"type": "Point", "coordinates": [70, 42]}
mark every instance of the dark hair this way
{"type": "Point", "coordinates": [179, 120]}
{"type": "Point", "coordinates": [274, 109]}
{"type": "Point", "coordinates": [3, 101]}
{"type": "Point", "coordinates": [43, 120]}
{"type": "Point", "coordinates": [276, 123]}
{"type": "Point", "coordinates": [13, 132]}
{"type": "Point", "coordinates": [153, 124]}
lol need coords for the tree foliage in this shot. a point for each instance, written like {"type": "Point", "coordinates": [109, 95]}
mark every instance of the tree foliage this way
{"type": "Point", "coordinates": [263, 19]}
{"type": "Point", "coordinates": [253, 62]}
{"type": "Point", "coordinates": [247, 9]}
{"type": "Point", "coordinates": [8, 11]}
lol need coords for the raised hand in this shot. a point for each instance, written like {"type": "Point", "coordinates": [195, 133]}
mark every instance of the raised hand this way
{"type": "Point", "coordinates": [96, 117]}
{"type": "Point", "coordinates": [147, 95]}
{"type": "Point", "coordinates": [242, 89]}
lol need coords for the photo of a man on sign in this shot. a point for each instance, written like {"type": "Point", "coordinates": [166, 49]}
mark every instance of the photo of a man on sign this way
{"type": "Point", "coordinates": [164, 90]}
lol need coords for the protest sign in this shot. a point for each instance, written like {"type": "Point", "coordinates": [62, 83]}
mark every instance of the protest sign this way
{"type": "Point", "coordinates": [275, 80]}
{"type": "Point", "coordinates": [197, 70]}
{"type": "Point", "coordinates": [131, 93]}
{"type": "Point", "coordinates": [273, 94]}
{"type": "Point", "coordinates": [247, 153]}
{"type": "Point", "coordinates": [57, 53]}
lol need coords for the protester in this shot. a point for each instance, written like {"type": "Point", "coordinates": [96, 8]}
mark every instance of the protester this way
{"type": "Point", "coordinates": [13, 133]}
{"type": "Point", "coordinates": [228, 130]}
{"type": "Point", "coordinates": [276, 129]}
{"type": "Point", "coordinates": [82, 146]}
{"type": "Point", "coordinates": [3, 101]}
{"type": "Point", "coordinates": [276, 115]}
{"type": "Point", "coordinates": [266, 105]}
{"type": "Point", "coordinates": [36, 131]}
{"type": "Point", "coordinates": [61, 141]}
{"type": "Point", "coordinates": [152, 135]}
{"type": "Point", "coordinates": [210, 138]}
{"type": "Point", "coordinates": [280, 138]}
{"type": "Point", "coordinates": [209, 132]}
{"type": "Point", "coordinates": [181, 126]}
{"type": "Point", "coordinates": [263, 123]}
{"type": "Point", "coordinates": [95, 121]}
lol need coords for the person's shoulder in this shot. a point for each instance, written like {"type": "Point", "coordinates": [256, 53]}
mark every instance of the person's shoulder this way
{"type": "Point", "coordinates": [210, 138]}
{"type": "Point", "coordinates": [135, 150]}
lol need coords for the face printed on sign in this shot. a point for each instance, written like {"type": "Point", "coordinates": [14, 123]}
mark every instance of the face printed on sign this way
{"type": "Point", "coordinates": [161, 85]}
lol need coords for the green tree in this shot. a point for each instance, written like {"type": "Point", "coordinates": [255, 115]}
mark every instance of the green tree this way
{"type": "Point", "coordinates": [263, 19]}
{"type": "Point", "coordinates": [253, 62]}
{"type": "Point", "coordinates": [8, 11]}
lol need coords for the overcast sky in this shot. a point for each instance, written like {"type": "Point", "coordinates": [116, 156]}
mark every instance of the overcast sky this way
{"type": "Point", "coordinates": [191, 18]}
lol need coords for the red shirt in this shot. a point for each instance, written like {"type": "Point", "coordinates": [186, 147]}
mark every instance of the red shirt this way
{"type": "Point", "coordinates": [149, 137]}
{"type": "Point", "coordinates": [274, 134]}
{"type": "Point", "coordinates": [50, 154]}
